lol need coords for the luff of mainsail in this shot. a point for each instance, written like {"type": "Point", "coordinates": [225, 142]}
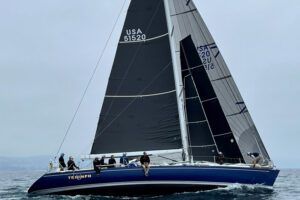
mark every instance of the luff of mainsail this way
{"type": "Point", "coordinates": [186, 21]}
{"type": "Point", "coordinates": [140, 111]}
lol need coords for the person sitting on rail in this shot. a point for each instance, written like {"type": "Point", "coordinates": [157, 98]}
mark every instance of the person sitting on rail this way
{"type": "Point", "coordinates": [145, 161]}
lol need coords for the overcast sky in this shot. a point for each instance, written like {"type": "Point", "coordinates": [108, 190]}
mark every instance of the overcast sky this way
{"type": "Point", "coordinates": [48, 50]}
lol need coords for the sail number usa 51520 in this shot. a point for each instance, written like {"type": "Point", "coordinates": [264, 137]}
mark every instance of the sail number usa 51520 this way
{"type": "Point", "coordinates": [134, 34]}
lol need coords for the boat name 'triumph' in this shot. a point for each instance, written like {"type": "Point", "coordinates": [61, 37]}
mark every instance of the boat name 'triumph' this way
{"type": "Point", "coordinates": [79, 177]}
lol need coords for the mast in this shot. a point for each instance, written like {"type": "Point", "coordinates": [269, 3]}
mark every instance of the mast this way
{"type": "Point", "coordinates": [178, 85]}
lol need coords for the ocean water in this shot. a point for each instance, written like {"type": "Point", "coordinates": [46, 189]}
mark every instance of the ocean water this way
{"type": "Point", "coordinates": [14, 185]}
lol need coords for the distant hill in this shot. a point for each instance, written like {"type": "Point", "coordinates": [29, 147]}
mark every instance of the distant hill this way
{"type": "Point", "coordinates": [24, 163]}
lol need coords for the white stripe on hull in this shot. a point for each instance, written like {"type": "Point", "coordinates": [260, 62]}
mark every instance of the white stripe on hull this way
{"type": "Point", "coordinates": [130, 183]}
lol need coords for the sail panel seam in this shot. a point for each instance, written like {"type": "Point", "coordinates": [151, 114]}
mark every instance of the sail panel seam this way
{"type": "Point", "coordinates": [187, 3]}
{"type": "Point", "coordinates": [188, 98]}
{"type": "Point", "coordinates": [223, 134]}
{"type": "Point", "coordinates": [181, 13]}
{"type": "Point", "coordinates": [222, 78]}
{"type": "Point", "coordinates": [203, 146]}
{"type": "Point", "coordinates": [192, 68]}
{"type": "Point", "coordinates": [197, 122]}
{"type": "Point", "coordinates": [209, 99]}
{"type": "Point", "coordinates": [142, 95]}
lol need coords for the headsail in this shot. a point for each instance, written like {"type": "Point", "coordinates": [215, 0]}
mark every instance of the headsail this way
{"type": "Point", "coordinates": [187, 21]}
{"type": "Point", "coordinates": [140, 106]}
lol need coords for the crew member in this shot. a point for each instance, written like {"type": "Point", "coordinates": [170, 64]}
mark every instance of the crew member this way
{"type": "Point", "coordinates": [145, 161]}
{"type": "Point", "coordinates": [61, 161]}
{"type": "Point", "coordinates": [111, 161]}
{"type": "Point", "coordinates": [102, 160]}
{"type": "Point", "coordinates": [124, 159]}
{"type": "Point", "coordinates": [96, 164]}
{"type": "Point", "coordinates": [71, 164]}
{"type": "Point", "coordinates": [220, 158]}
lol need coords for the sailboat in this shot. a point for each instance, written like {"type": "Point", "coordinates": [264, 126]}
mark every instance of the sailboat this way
{"type": "Point", "coordinates": [169, 93]}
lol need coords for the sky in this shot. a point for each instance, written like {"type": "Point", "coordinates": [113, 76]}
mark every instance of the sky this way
{"type": "Point", "coordinates": [49, 49]}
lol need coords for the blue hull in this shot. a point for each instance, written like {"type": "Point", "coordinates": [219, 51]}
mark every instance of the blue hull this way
{"type": "Point", "coordinates": [161, 180]}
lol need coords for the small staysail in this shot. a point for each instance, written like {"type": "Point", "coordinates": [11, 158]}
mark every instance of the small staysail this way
{"type": "Point", "coordinates": [187, 21]}
{"type": "Point", "coordinates": [140, 110]}
{"type": "Point", "coordinates": [207, 124]}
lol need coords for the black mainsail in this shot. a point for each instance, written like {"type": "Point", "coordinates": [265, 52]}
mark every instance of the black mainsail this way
{"type": "Point", "coordinates": [140, 108]}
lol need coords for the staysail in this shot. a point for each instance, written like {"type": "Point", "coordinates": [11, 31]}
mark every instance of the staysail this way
{"type": "Point", "coordinates": [140, 111]}
{"type": "Point", "coordinates": [186, 21]}
{"type": "Point", "coordinates": [207, 125]}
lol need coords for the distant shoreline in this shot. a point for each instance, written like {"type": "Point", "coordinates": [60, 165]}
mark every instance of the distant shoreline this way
{"type": "Point", "coordinates": [24, 163]}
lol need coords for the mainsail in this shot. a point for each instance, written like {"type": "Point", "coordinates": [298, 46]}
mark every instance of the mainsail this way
{"type": "Point", "coordinates": [142, 106]}
{"type": "Point", "coordinates": [140, 111]}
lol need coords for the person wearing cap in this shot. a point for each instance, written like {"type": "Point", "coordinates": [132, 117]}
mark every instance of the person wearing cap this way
{"type": "Point", "coordinates": [256, 157]}
{"type": "Point", "coordinates": [124, 159]}
{"type": "Point", "coordinates": [71, 164]}
{"type": "Point", "coordinates": [97, 165]}
{"type": "Point", "coordinates": [61, 161]}
{"type": "Point", "coordinates": [145, 161]}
